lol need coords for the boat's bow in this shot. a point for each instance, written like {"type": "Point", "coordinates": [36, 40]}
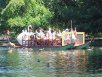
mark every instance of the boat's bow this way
{"type": "Point", "coordinates": [83, 46]}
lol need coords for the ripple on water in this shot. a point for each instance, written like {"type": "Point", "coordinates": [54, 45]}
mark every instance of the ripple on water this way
{"type": "Point", "coordinates": [71, 63]}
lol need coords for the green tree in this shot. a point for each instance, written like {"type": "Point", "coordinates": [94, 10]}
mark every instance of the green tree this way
{"type": "Point", "coordinates": [86, 14]}
{"type": "Point", "coordinates": [19, 13]}
{"type": "Point", "coordinates": [64, 12]}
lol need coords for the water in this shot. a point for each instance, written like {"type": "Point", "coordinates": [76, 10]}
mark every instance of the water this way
{"type": "Point", "coordinates": [72, 63]}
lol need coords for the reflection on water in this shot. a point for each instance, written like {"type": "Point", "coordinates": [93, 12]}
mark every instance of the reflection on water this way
{"type": "Point", "coordinates": [72, 63]}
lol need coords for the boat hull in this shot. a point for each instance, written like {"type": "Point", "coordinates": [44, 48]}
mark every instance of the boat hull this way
{"type": "Point", "coordinates": [83, 46]}
{"type": "Point", "coordinates": [66, 47]}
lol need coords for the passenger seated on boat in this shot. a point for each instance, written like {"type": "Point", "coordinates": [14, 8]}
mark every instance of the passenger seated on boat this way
{"type": "Point", "coordinates": [73, 37]}
{"type": "Point", "coordinates": [59, 34]}
{"type": "Point", "coordinates": [25, 39]}
{"type": "Point", "coordinates": [31, 35]}
{"type": "Point", "coordinates": [67, 30]}
{"type": "Point", "coordinates": [37, 36]}
{"type": "Point", "coordinates": [45, 38]}
{"type": "Point", "coordinates": [37, 32]}
{"type": "Point", "coordinates": [77, 38]}
{"type": "Point", "coordinates": [67, 39]}
{"type": "Point", "coordinates": [42, 35]}
{"type": "Point", "coordinates": [49, 32]}
{"type": "Point", "coordinates": [54, 37]}
{"type": "Point", "coordinates": [59, 38]}
{"type": "Point", "coordinates": [50, 36]}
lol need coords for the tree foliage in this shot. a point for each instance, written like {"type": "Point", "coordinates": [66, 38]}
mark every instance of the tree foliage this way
{"type": "Point", "coordinates": [85, 14]}
{"type": "Point", "coordinates": [25, 12]}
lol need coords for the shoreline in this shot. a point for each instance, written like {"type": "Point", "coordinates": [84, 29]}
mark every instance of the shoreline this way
{"type": "Point", "coordinates": [97, 42]}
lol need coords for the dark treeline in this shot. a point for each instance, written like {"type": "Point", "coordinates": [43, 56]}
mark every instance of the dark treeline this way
{"type": "Point", "coordinates": [85, 14]}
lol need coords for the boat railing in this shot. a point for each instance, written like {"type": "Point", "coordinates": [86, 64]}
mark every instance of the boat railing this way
{"type": "Point", "coordinates": [34, 42]}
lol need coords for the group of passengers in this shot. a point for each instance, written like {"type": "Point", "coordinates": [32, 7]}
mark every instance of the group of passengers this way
{"type": "Point", "coordinates": [42, 36]}
{"type": "Point", "coordinates": [49, 36]}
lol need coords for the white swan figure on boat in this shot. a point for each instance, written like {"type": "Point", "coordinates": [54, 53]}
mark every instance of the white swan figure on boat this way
{"type": "Point", "coordinates": [25, 35]}
{"type": "Point", "coordinates": [20, 37]}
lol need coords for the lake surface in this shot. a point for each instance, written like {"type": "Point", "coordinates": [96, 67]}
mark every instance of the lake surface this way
{"type": "Point", "coordinates": [23, 62]}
